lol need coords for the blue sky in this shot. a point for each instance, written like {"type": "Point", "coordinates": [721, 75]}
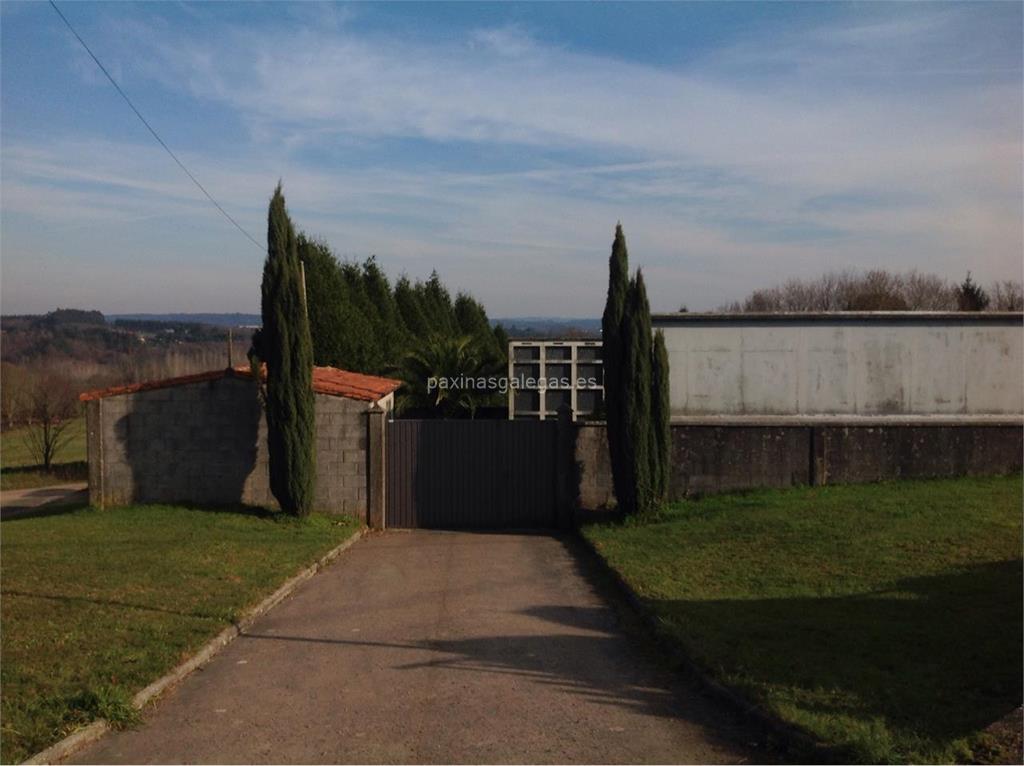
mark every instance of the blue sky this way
{"type": "Point", "coordinates": [739, 144]}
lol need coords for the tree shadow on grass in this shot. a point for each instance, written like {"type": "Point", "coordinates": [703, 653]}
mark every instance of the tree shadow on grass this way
{"type": "Point", "coordinates": [936, 657]}
{"type": "Point", "coordinates": [110, 602]}
{"type": "Point", "coordinates": [9, 515]}
{"type": "Point", "coordinates": [238, 509]}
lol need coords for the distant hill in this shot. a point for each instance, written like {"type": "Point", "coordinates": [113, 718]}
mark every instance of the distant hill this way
{"type": "Point", "coordinates": [517, 327]}
{"type": "Point", "coordinates": [220, 320]}
{"type": "Point", "coordinates": [86, 347]}
{"type": "Point", "coordinates": [119, 330]}
{"type": "Point", "coordinates": [550, 327]}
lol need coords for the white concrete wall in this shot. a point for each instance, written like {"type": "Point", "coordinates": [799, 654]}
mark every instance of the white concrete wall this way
{"type": "Point", "coordinates": [854, 364]}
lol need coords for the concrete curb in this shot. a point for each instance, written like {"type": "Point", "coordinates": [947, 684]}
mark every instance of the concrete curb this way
{"type": "Point", "coordinates": [72, 743]}
{"type": "Point", "coordinates": [792, 736]}
{"type": "Point", "coordinates": [97, 729]}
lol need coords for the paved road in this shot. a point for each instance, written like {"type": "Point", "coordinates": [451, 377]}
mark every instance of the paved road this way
{"type": "Point", "coordinates": [436, 647]}
{"type": "Point", "coordinates": [40, 500]}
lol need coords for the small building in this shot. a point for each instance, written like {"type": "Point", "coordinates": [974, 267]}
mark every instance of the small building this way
{"type": "Point", "coordinates": [203, 439]}
{"type": "Point", "coordinates": [545, 374]}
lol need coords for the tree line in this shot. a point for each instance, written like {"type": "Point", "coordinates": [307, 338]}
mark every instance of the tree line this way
{"type": "Point", "coordinates": [411, 330]}
{"type": "Point", "coordinates": [881, 290]}
{"type": "Point", "coordinates": [361, 321]}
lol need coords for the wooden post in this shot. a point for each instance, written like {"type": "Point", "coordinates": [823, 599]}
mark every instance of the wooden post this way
{"type": "Point", "coordinates": [376, 517]}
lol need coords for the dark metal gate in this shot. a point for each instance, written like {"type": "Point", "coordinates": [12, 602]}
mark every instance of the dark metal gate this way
{"type": "Point", "coordinates": [471, 473]}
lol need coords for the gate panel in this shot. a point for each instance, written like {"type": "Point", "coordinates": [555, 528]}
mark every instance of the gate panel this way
{"type": "Point", "coordinates": [471, 473]}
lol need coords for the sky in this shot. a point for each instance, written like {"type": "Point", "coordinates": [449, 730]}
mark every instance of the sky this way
{"type": "Point", "coordinates": [739, 144]}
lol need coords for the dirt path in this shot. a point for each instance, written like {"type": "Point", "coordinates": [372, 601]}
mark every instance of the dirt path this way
{"type": "Point", "coordinates": [39, 500]}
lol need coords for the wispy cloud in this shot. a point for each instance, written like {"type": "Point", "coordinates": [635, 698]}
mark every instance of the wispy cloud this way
{"type": "Point", "coordinates": [761, 159]}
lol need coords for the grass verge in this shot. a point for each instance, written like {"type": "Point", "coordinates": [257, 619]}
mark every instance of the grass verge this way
{"type": "Point", "coordinates": [884, 619]}
{"type": "Point", "coordinates": [33, 477]}
{"type": "Point", "coordinates": [98, 604]}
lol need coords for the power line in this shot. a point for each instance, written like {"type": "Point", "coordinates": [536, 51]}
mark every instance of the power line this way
{"type": "Point", "coordinates": [155, 134]}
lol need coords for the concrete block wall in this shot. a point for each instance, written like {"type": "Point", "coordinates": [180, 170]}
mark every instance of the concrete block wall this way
{"type": "Point", "coordinates": [341, 458]}
{"type": "Point", "coordinates": [206, 444]}
{"type": "Point", "coordinates": [849, 364]}
{"type": "Point", "coordinates": [594, 467]}
{"type": "Point", "coordinates": [708, 459]}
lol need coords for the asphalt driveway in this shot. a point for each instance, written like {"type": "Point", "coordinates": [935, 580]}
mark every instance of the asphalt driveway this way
{"type": "Point", "coordinates": [437, 647]}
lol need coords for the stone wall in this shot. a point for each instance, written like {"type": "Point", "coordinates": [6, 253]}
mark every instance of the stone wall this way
{"type": "Point", "coordinates": [205, 444]}
{"type": "Point", "coordinates": [711, 458]}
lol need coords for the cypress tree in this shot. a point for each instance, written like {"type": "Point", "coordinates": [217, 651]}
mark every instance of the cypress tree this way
{"type": "Point", "coordinates": [612, 353]}
{"type": "Point", "coordinates": [331, 323]}
{"type": "Point", "coordinates": [364, 336]}
{"type": "Point", "coordinates": [437, 305]}
{"type": "Point", "coordinates": [636, 384]}
{"type": "Point", "coordinates": [501, 339]}
{"type": "Point", "coordinates": [288, 352]}
{"type": "Point", "coordinates": [391, 330]}
{"type": "Point", "coordinates": [407, 300]}
{"type": "Point", "coordinates": [661, 463]}
{"type": "Point", "coordinates": [970, 296]}
{"type": "Point", "coordinates": [471, 319]}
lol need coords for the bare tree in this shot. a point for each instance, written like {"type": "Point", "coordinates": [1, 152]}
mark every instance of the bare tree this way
{"type": "Point", "coordinates": [879, 290]}
{"type": "Point", "coordinates": [14, 381]}
{"type": "Point", "coordinates": [1007, 295]}
{"type": "Point", "coordinates": [928, 292]}
{"type": "Point", "coordinates": [762, 301]}
{"type": "Point", "coordinates": [51, 405]}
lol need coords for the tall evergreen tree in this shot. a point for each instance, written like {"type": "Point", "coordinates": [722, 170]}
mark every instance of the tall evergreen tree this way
{"type": "Point", "coordinates": [612, 352]}
{"type": "Point", "coordinates": [636, 385]}
{"type": "Point", "coordinates": [471, 319]}
{"type": "Point", "coordinates": [470, 316]}
{"type": "Point", "coordinates": [391, 330]}
{"type": "Point", "coordinates": [368, 351]}
{"type": "Point", "coordinates": [661, 408]}
{"type": "Point", "coordinates": [287, 349]}
{"type": "Point", "coordinates": [333, 325]}
{"type": "Point", "coordinates": [410, 309]}
{"type": "Point", "coordinates": [437, 305]}
{"type": "Point", "coordinates": [501, 338]}
{"type": "Point", "coordinates": [971, 296]}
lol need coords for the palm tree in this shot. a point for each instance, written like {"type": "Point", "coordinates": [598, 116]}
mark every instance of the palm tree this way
{"type": "Point", "coordinates": [444, 376]}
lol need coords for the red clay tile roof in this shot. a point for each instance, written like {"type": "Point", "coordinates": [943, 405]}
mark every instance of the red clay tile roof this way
{"type": "Point", "coordinates": [149, 385]}
{"type": "Point", "coordinates": [352, 385]}
{"type": "Point", "coordinates": [326, 380]}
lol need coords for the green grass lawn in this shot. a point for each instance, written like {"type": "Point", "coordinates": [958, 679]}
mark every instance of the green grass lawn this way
{"type": "Point", "coordinates": [98, 604]}
{"type": "Point", "coordinates": [885, 619]}
{"type": "Point", "coordinates": [19, 469]}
